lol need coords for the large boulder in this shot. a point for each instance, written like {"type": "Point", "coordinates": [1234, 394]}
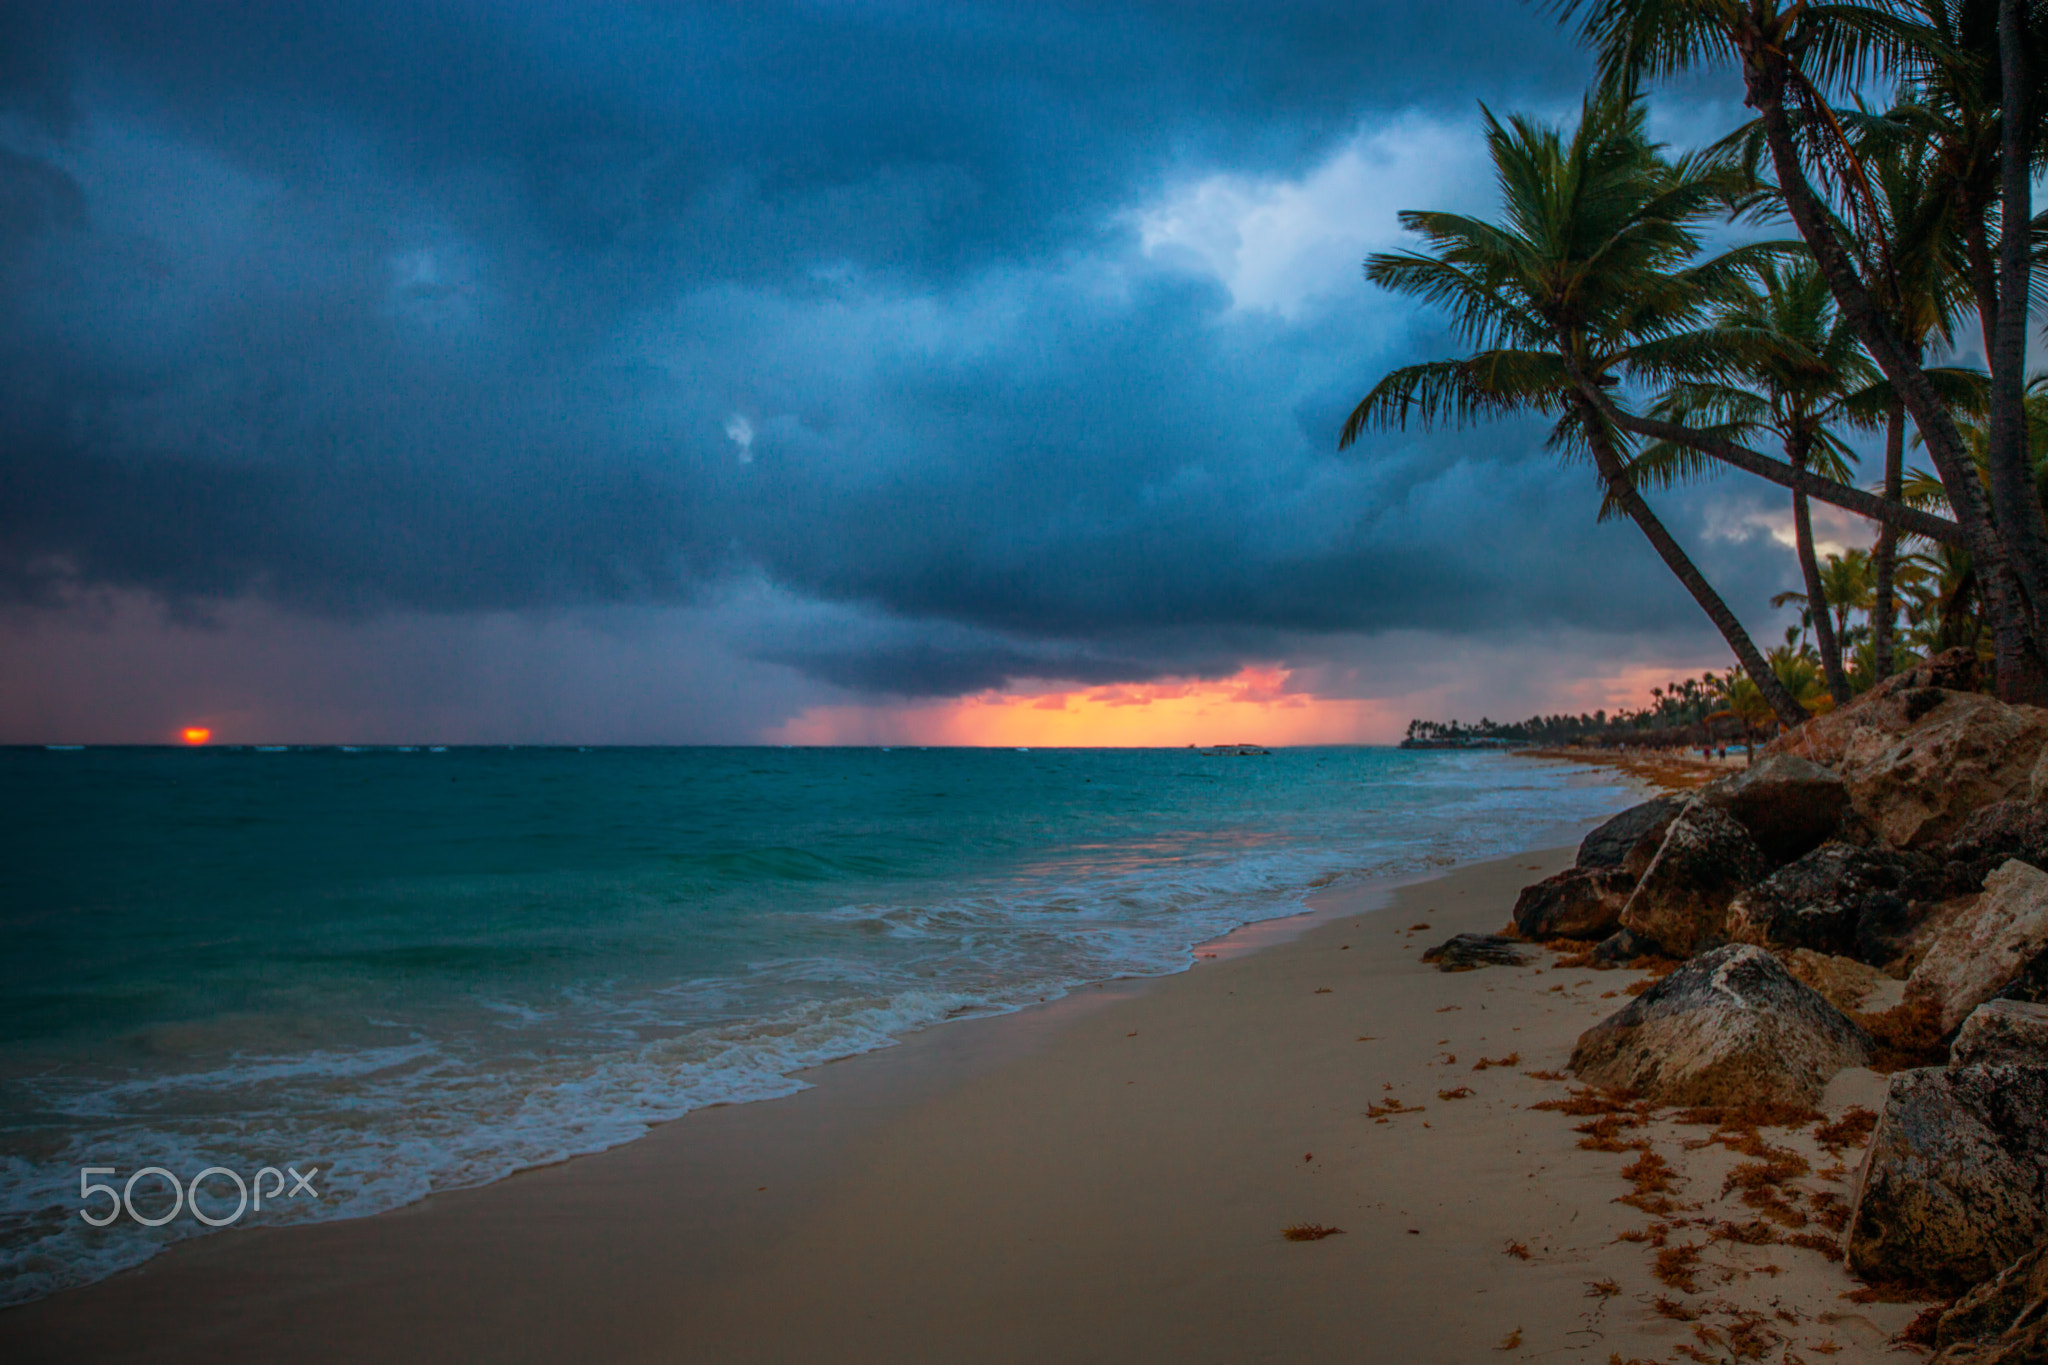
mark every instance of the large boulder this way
{"type": "Point", "coordinates": [1920, 751]}
{"type": "Point", "coordinates": [2003, 1031]}
{"type": "Point", "coordinates": [1627, 842]}
{"type": "Point", "coordinates": [1963, 752]}
{"type": "Point", "coordinates": [1884, 708]}
{"type": "Point", "coordinates": [1730, 1027]}
{"type": "Point", "coordinates": [1994, 834]}
{"type": "Point", "coordinates": [1954, 1185]}
{"type": "Point", "coordinates": [1821, 901]}
{"type": "Point", "coordinates": [1681, 903]}
{"type": "Point", "coordinates": [1978, 954]}
{"type": "Point", "coordinates": [1788, 804]}
{"type": "Point", "coordinates": [1579, 902]}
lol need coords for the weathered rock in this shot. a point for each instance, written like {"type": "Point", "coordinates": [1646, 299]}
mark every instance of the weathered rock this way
{"type": "Point", "coordinates": [1980, 1326]}
{"type": "Point", "coordinates": [1843, 982]}
{"type": "Point", "coordinates": [1980, 953]}
{"type": "Point", "coordinates": [1825, 738]}
{"type": "Point", "coordinates": [1964, 752]}
{"type": "Point", "coordinates": [1681, 903]}
{"type": "Point", "coordinates": [1820, 901]}
{"type": "Point", "coordinates": [1629, 840]}
{"type": "Point", "coordinates": [1919, 752]}
{"type": "Point", "coordinates": [2012, 1031]}
{"type": "Point", "coordinates": [1579, 902]}
{"type": "Point", "coordinates": [1955, 1183]}
{"type": "Point", "coordinates": [1993, 834]}
{"type": "Point", "coordinates": [1730, 1027]}
{"type": "Point", "coordinates": [1463, 952]}
{"type": "Point", "coordinates": [1788, 804]}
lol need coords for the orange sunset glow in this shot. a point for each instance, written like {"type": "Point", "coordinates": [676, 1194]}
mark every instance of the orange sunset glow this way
{"type": "Point", "coordinates": [1253, 706]}
{"type": "Point", "coordinates": [197, 734]}
{"type": "Point", "coordinates": [1256, 705]}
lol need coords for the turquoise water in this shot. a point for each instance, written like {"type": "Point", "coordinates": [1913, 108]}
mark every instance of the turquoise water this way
{"type": "Point", "coordinates": [418, 969]}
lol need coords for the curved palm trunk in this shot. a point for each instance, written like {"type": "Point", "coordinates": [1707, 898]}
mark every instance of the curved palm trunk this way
{"type": "Point", "coordinates": [1824, 638]}
{"type": "Point", "coordinates": [1884, 610]}
{"type": "Point", "coordinates": [1789, 712]}
{"type": "Point", "coordinates": [2014, 584]}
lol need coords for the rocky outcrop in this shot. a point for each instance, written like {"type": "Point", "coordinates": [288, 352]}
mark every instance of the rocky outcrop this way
{"type": "Point", "coordinates": [1919, 752]}
{"type": "Point", "coordinates": [1730, 1027]}
{"type": "Point", "coordinates": [1789, 804]}
{"type": "Point", "coordinates": [1823, 900]}
{"type": "Point", "coordinates": [1991, 836]}
{"type": "Point", "coordinates": [1955, 1183]}
{"type": "Point", "coordinates": [1463, 952]}
{"type": "Point", "coordinates": [1843, 982]}
{"type": "Point", "coordinates": [1963, 752]}
{"type": "Point", "coordinates": [2003, 1321]}
{"type": "Point", "coordinates": [2011, 1032]}
{"type": "Point", "coordinates": [1627, 842]}
{"type": "Point", "coordinates": [1579, 902]}
{"type": "Point", "coordinates": [1681, 903]}
{"type": "Point", "coordinates": [1826, 738]}
{"type": "Point", "coordinates": [1980, 953]}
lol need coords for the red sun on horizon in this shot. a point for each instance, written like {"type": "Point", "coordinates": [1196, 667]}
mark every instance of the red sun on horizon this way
{"type": "Point", "coordinates": [196, 734]}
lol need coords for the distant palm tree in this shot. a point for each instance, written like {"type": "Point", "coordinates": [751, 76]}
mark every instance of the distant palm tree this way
{"type": "Point", "coordinates": [1587, 272]}
{"type": "Point", "coordinates": [1791, 366]}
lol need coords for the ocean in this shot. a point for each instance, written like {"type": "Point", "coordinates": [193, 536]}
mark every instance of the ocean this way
{"type": "Point", "coordinates": [415, 969]}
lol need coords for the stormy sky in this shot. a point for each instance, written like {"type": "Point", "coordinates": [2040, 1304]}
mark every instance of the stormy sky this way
{"type": "Point", "coordinates": [671, 372]}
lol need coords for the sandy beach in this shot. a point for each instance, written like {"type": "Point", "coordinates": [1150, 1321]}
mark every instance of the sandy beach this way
{"type": "Point", "coordinates": [1106, 1178]}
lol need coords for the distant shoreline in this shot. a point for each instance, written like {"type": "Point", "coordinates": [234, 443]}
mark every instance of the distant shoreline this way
{"type": "Point", "coordinates": [1671, 769]}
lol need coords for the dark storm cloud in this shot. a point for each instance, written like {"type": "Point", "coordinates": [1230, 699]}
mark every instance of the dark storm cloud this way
{"type": "Point", "coordinates": [371, 307]}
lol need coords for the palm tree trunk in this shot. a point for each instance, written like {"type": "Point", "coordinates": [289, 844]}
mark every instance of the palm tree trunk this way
{"type": "Point", "coordinates": [1884, 512]}
{"type": "Point", "coordinates": [1816, 601]}
{"type": "Point", "coordinates": [2011, 596]}
{"type": "Point", "coordinates": [1623, 490]}
{"type": "Point", "coordinates": [1884, 610]}
{"type": "Point", "coordinates": [2015, 501]}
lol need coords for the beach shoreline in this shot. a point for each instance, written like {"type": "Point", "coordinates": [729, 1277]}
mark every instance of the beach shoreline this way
{"type": "Point", "coordinates": [1659, 769]}
{"type": "Point", "coordinates": [1103, 1177]}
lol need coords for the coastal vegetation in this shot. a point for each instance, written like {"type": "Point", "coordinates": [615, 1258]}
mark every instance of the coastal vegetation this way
{"type": "Point", "coordinates": [1877, 295]}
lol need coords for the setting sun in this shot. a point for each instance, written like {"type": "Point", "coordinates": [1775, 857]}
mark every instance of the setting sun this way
{"type": "Point", "coordinates": [197, 734]}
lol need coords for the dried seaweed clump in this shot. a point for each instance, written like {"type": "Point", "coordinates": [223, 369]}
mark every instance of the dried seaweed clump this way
{"type": "Point", "coordinates": [1908, 1035]}
{"type": "Point", "coordinates": [1853, 1129]}
{"type": "Point", "coordinates": [1677, 1265]}
{"type": "Point", "coordinates": [1604, 1134]}
{"type": "Point", "coordinates": [1512, 1059]}
{"type": "Point", "coordinates": [1585, 1101]}
{"type": "Point", "coordinates": [1308, 1232]}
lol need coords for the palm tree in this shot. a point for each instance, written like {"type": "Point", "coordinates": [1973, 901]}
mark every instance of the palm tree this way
{"type": "Point", "coordinates": [1921, 262]}
{"type": "Point", "coordinates": [1587, 272]}
{"type": "Point", "coordinates": [1793, 368]}
{"type": "Point", "coordinates": [1790, 53]}
{"type": "Point", "coordinates": [1845, 585]}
